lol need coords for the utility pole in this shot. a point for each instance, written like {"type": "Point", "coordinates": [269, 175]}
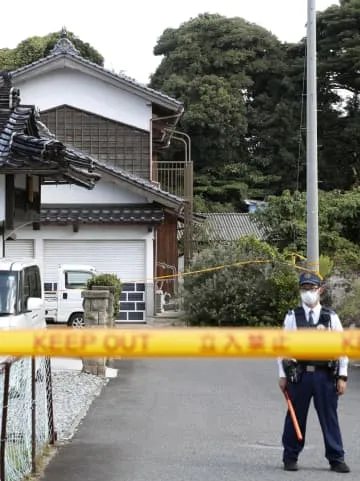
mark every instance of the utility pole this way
{"type": "Point", "coordinates": [311, 142]}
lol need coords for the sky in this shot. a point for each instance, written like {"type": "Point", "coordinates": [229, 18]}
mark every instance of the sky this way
{"type": "Point", "coordinates": [126, 36]}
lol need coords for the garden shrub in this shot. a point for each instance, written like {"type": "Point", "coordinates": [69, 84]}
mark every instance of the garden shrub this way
{"type": "Point", "coordinates": [108, 280]}
{"type": "Point", "coordinates": [349, 308]}
{"type": "Point", "coordinates": [253, 294]}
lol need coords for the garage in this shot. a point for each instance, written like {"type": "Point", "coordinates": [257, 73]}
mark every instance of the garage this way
{"type": "Point", "coordinates": [19, 248]}
{"type": "Point", "coordinates": [126, 259]}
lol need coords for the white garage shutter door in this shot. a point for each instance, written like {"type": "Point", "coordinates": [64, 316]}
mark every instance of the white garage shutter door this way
{"type": "Point", "coordinates": [126, 259]}
{"type": "Point", "coordinates": [19, 248]}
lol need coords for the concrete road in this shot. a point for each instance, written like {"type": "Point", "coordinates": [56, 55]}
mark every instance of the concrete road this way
{"type": "Point", "coordinates": [199, 420]}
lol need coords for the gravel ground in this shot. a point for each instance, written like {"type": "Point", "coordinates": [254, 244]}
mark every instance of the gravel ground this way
{"type": "Point", "coordinates": [73, 393]}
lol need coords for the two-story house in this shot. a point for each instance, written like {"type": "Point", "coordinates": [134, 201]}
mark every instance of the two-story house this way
{"type": "Point", "coordinates": [28, 155]}
{"type": "Point", "coordinates": [127, 224]}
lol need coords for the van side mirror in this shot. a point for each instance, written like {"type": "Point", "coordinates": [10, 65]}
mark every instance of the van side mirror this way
{"type": "Point", "coordinates": [34, 303]}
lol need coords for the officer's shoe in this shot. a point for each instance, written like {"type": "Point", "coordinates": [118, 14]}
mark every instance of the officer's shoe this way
{"type": "Point", "coordinates": [339, 467]}
{"type": "Point", "coordinates": [291, 466]}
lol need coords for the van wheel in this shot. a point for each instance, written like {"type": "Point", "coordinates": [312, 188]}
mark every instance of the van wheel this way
{"type": "Point", "coordinates": [76, 320]}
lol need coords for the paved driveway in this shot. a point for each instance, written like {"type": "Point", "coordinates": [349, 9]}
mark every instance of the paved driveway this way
{"type": "Point", "coordinates": [199, 420]}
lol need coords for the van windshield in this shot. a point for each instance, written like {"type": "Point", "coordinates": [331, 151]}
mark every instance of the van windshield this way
{"type": "Point", "coordinates": [8, 292]}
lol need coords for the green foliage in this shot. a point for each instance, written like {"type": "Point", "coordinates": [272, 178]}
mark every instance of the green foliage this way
{"type": "Point", "coordinates": [285, 217]}
{"type": "Point", "coordinates": [326, 266]}
{"type": "Point", "coordinates": [339, 226]}
{"type": "Point", "coordinates": [220, 68]}
{"type": "Point", "coordinates": [349, 309]}
{"type": "Point", "coordinates": [34, 48]}
{"type": "Point", "coordinates": [107, 280]}
{"type": "Point", "coordinates": [256, 293]}
{"type": "Point", "coordinates": [202, 205]}
{"type": "Point", "coordinates": [202, 237]}
{"type": "Point", "coordinates": [244, 96]}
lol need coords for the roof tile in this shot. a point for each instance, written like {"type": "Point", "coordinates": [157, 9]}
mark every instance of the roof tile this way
{"type": "Point", "coordinates": [25, 144]}
{"type": "Point", "coordinates": [231, 226]}
{"type": "Point", "coordinates": [101, 214]}
{"type": "Point", "coordinates": [145, 184]}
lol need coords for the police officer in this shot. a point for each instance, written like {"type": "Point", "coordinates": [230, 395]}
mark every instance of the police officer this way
{"type": "Point", "coordinates": [324, 381]}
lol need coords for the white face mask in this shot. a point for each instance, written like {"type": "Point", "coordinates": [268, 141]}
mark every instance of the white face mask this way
{"type": "Point", "coordinates": [310, 297]}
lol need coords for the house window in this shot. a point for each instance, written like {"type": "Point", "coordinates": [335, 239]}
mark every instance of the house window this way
{"type": "Point", "coordinates": [76, 279]}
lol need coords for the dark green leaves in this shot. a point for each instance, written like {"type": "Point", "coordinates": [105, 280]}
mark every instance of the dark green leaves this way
{"type": "Point", "coordinates": [34, 48]}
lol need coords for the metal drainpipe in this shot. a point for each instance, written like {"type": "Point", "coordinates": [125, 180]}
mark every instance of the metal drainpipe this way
{"type": "Point", "coordinates": [6, 368]}
{"type": "Point", "coordinates": [155, 273]}
{"type": "Point", "coordinates": [19, 227]}
{"type": "Point", "coordinates": [188, 138]}
{"type": "Point", "coordinates": [184, 142]}
{"type": "Point", "coordinates": [151, 150]}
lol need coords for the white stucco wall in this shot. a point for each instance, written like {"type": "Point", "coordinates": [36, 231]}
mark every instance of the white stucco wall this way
{"type": "Point", "coordinates": [77, 89]}
{"type": "Point", "coordinates": [105, 192]}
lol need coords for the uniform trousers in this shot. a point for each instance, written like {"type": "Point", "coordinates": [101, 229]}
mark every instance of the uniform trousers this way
{"type": "Point", "coordinates": [319, 386]}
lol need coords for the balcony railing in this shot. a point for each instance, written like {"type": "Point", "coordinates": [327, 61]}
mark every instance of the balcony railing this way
{"type": "Point", "coordinates": [178, 178]}
{"type": "Point", "coordinates": [174, 177]}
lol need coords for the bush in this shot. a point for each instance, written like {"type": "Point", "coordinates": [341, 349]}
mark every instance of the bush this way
{"type": "Point", "coordinates": [256, 293]}
{"type": "Point", "coordinates": [349, 308]}
{"type": "Point", "coordinates": [108, 280]}
{"type": "Point", "coordinates": [326, 266]}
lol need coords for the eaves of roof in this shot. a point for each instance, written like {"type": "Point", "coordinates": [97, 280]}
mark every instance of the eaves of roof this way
{"type": "Point", "coordinates": [142, 186]}
{"type": "Point", "coordinates": [58, 55]}
{"type": "Point", "coordinates": [26, 145]}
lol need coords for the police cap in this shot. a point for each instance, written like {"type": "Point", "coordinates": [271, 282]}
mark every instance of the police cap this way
{"type": "Point", "coordinates": [310, 278]}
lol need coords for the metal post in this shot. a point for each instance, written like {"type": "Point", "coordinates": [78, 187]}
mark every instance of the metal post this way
{"type": "Point", "coordinates": [33, 414]}
{"type": "Point", "coordinates": [189, 202]}
{"type": "Point", "coordinates": [188, 214]}
{"type": "Point", "coordinates": [311, 142]}
{"type": "Point", "coordinates": [4, 419]}
{"type": "Point", "coordinates": [187, 137]}
{"type": "Point", "coordinates": [50, 402]}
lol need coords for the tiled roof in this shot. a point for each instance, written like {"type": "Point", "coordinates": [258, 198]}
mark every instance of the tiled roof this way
{"type": "Point", "coordinates": [26, 144]}
{"type": "Point", "coordinates": [65, 47]}
{"type": "Point", "coordinates": [142, 185]}
{"type": "Point", "coordinates": [231, 226]}
{"type": "Point", "coordinates": [101, 214]}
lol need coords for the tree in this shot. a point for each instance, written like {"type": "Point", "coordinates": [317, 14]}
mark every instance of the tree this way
{"type": "Point", "coordinates": [34, 48]}
{"type": "Point", "coordinates": [231, 76]}
{"type": "Point", "coordinates": [245, 103]}
{"type": "Point", "coordinates": [227, 189]}
{"type": "Point", "coordinates": [339, 119]}
{"type": "Point", "coordinates": [339, 225]}
{"type": "Point", "coordinates": [203, 67]}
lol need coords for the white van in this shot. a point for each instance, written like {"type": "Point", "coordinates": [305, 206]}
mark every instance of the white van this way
{"type": "Point", "coordinates": [22, 303]}
{"type": "Point", "coordinates": [63, 301]}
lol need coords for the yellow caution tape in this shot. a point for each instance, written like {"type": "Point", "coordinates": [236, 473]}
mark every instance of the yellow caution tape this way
{"type": "Point", "coordinates": [225, 266]}
{"type": "Point", "coordinates": [181, 342]}
{"type": "Point", "coordinates": [206, 269]}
